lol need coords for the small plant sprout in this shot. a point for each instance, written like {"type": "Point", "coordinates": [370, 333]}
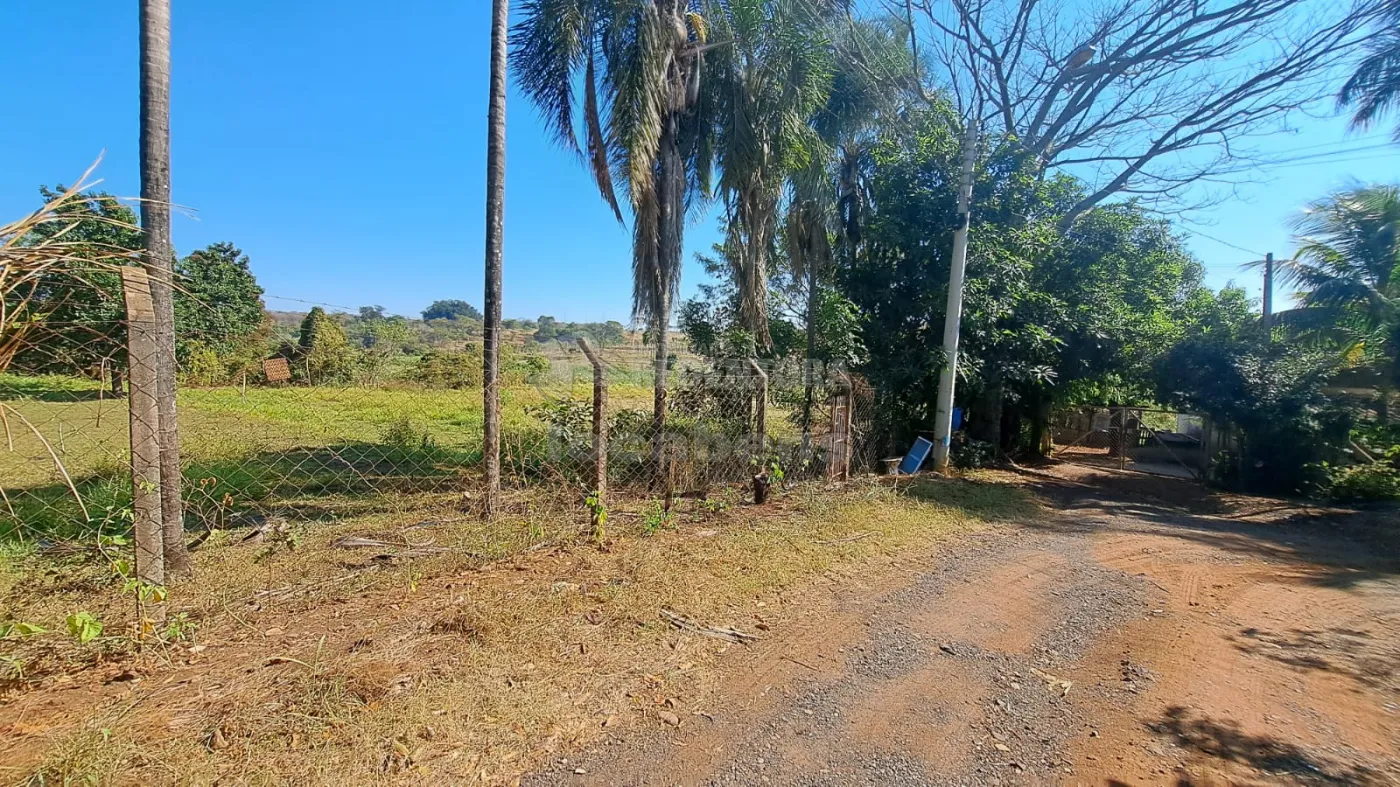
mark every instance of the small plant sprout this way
{"type": "Point", "coordinates": [597, 515]}
{"type": "Point", "coordinates": [84, 626]}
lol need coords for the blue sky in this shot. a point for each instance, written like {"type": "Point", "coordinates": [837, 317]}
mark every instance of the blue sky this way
{"type": "Point", "coordinates": [342, 146]}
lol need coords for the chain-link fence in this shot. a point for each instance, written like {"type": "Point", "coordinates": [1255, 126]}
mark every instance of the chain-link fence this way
{"type": "Point", "coordinates": [313, 427]}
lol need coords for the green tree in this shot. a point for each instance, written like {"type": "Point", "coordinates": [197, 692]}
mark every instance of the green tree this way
{"type": "Point", "coordinates": [1373, 91]}
{"type": "Point", "coordinates": [325, 349]}
{"type": "Point", "coordinates": [82, 312]}
{"type": "Point", "coordinates": [636, 67]}
{"type": "Point", "coordinates": [218, 302]}
{"type": "Point", "coordinates": [1347, 273]}
{"type": "Point", "coordinates": [451, 310]}
{"type": "Point", "coordinates": [769, 82]}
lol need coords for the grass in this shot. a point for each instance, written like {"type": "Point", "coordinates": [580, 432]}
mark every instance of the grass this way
{"type": "Point", "coordinates": [468, 666]}
{"type": "Point", "coordinates": [291, 449]}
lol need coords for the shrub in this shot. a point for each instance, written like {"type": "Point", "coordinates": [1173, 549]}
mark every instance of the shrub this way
{"type": "Point", "coordinates": [406, 433]}
{"type": "Point", "coordinates": [442, 369]}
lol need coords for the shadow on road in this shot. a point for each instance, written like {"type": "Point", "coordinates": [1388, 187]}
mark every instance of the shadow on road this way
{"type": "Point", "coordinates": [1327, 546]}
{"type": "Point", "coordinates": [1223, 740]}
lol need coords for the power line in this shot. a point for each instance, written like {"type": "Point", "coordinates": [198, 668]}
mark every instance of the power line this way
{"type": "Point", "coordinates": [310, 303]}
{"type": "Point", "coordinates": [1198, 233]}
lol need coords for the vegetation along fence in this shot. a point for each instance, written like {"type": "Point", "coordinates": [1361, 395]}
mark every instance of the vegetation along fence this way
{"type": "Point", "coordinates": [330, 426]}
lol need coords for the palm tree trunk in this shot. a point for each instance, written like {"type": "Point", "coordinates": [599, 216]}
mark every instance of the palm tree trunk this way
{"type": "Point", "coordinates": [670, 196]}
{"type": "Point", "coordinates": [495, 231]}
{"type": "Point", "coordinates": [155, 225]}
{"type": "Point", "coordinates": [811, 355]}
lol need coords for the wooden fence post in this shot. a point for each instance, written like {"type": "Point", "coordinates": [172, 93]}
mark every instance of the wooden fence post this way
{"type": "Point", "coordinates": [600, 427]}
{"type": "Point", "coordinates": [145, 426]}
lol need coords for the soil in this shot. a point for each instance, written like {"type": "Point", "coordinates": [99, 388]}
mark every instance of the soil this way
{"type": "Point", "coordinates": [1143, 632]}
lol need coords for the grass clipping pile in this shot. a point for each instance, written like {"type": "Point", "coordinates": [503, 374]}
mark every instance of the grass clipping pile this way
{"type": "Point", "coordinates": [313, 663]}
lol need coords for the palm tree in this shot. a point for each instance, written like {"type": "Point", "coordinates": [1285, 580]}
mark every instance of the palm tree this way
{"type": "Point", "coordinates": [639, 65]}
{"type": "Point", "coordinates": [495, 231]}
{"type": "Point", "coordinates": [1374, 90]}
{"type": "Point", "coordinates": [769, 81]}
{"type": "Point", "coordinates": [1347, 271]}
{"type": "Point", "coordinates": [159, 257]}
{"type": "Point", "coordinates": [829, 196]}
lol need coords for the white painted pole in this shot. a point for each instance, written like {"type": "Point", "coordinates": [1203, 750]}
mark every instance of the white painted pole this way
{"type": "Point", "coordinates": [952, 322]}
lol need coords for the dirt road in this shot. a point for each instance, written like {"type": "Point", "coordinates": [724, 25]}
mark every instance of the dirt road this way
{"type": "Point", "coordinates": [1143, 632]}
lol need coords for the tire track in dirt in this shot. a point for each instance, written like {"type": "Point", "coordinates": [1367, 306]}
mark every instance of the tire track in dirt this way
{"type": "Point", "coordinates": [1124, 642]}
{"type": "Point", "coordinates": [932, 681]}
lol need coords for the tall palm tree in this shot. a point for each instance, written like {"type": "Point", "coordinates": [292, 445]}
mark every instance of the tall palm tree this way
{"type": "Point", "coordinates": [1347, 271]}
{"type": "Point", "coordinates": [1374, 90]}
{"type": "Point", "coordinates": [495, 232]}
{"type": "Point", "coordinates": [635, 67]}
{"type": "Point", "coordinates": [770, 79]}
{"type": "Point", "coordinates": [159, 257]}
{"type": "Point", "coordinates": [873, 73]}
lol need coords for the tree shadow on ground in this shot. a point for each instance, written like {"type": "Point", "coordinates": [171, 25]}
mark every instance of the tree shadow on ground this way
{"type": "Point", "coordinates": [1328, 546]}
{"type": "Point", "coordinates": [1223, 740]}
{"type": "Point", "coordinates": [1368, 660]}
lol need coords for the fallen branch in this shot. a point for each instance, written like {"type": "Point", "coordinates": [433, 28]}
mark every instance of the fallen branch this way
{"type": "Point", "coordinates": [686, 624]}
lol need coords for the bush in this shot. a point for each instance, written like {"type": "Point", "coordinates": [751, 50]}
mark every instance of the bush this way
{"type": "Point", "coordinates": [1371, 481]}
{"type": "Point", "coordinates": [522, 367]}
{"type": "Point", "coordinates": [406, 433]}
{"type": "Point", "coordinates": [442, 369]}
{"type": "Point", "coordinates": [969, 454]}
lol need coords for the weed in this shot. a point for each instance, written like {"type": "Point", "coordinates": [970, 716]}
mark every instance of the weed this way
{"type": "Point", "coordinates": [655, 518]}
{"type": "Point", "coordinates": [597, 515]}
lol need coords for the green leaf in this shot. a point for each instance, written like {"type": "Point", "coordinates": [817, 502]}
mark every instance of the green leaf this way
{"type": "Point", "coordinates": [85, 626]}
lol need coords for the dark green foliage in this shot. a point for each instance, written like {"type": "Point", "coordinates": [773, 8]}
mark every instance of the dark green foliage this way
{"type": "Point", "coordinates": [218, 302]}
{"type": "Point", "coordinates": [1273, 393]}
{"type": "Point", "coordinates": [82, 310]}
{"type": "Point", "coordinates": [451, 310]}
{"type": "Point", "coordinates": [326, 352]}
{"type": "Point", "coordinates": [602, 334]}
{"type": "Point", "coordinates": [1048, 317]}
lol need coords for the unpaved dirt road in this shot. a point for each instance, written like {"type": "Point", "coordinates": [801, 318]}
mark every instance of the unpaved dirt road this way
{"type": "Point", "coordinates": [1144, 632]}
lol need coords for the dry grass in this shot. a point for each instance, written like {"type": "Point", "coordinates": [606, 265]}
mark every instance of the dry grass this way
{"type": "Point", "coordinates": [469, 666]}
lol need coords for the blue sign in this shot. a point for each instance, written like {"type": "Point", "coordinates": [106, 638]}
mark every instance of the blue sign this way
{"type": "Point", "coordinates": [916, 456]}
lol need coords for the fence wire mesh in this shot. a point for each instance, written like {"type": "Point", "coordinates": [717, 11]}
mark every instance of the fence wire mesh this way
{"type": "Point", "coordinates": [1140, 439]}
{"type": "Point", "coordinates": [301, 428]}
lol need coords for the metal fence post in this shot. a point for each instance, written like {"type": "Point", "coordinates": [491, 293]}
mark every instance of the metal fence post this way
{"type": "Point", "coordinates": [145, 417]}
{"type": "Point", "coordinates": [600, 426]}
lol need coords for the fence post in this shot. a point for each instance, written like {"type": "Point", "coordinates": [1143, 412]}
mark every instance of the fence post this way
{"type": "Point", "coordinates": [600, 427]}
{"type": "Point", "coordinates": [145, 439]}
{"type": "Point", "coordinates": [760, 417]}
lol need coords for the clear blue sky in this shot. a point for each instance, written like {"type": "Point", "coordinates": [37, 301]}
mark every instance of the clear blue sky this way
{"type": "Point", "coordinates": [342, 146]}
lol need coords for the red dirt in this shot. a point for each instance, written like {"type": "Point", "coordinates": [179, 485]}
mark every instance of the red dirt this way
{"type": "Point", "coordinates": [1201, 649]}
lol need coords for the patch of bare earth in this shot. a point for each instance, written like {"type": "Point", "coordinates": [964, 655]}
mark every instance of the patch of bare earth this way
{"type": "Point", "coordinates": [1150, 632]}
{"type": "Point", "coordinates": [512, 648]}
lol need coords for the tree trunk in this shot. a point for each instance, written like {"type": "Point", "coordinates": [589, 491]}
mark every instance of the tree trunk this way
{"type": "Point", "coordinates": [670, 196]}
{"type": "Point", "coordinates": [495, 231]}
{"type": "Point", "coordinates": [811, 356]}
{"type": "Point", "coordinates": [155, 226]}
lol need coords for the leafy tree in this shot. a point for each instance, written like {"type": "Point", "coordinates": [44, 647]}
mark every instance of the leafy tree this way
{"type": "Point", "coordinates": [371, 313]}
{"type": "Point", "coordinates": [639, 67]}
{"type": "Point", "coordinates": [769, 82]}
{"type": "Point", "coordinates": [218, 302]}
{"type": "Point", "coordinates": [385, 342]}
{"type": "Point", "coordinates": [451, 310]}
{"type": "Point", "coordinates": [325, 348]}
{"type": "Point", "coordinates": [1374, 89]}
{"type": "Point", "coordinates": [1347, 272]}
{"type": "Point", "coordinates": [83, 310]}
{"type": "Point", "coordinates": [1273, 393]}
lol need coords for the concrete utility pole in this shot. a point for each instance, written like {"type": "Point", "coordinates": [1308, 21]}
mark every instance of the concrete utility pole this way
{"type": "Point", "coordinates": [1268, 291]}
{"type": "Point", "coordinates": [952, 322]}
